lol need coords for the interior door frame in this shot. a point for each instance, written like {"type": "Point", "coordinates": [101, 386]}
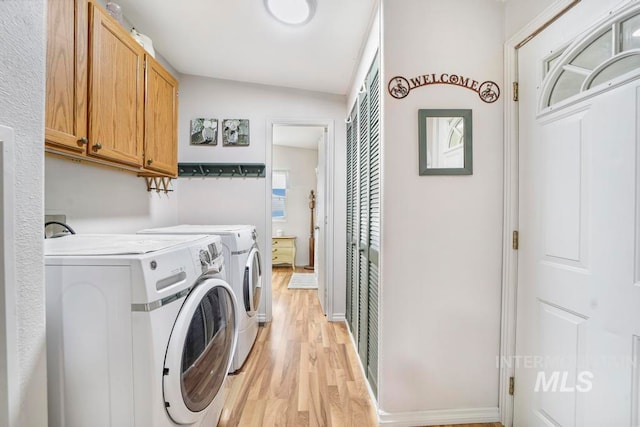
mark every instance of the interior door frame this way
{"type": "Point", "coordinates": [329, 142]}
{"type": "Point", "coordinates": [9, 381]}
{"type": "Point", "coordinates": [511, 203]}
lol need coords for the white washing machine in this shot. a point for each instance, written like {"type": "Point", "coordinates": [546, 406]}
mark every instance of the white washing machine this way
{"type": "Point", "coordinates": [244, 270]}
{"type": "Point", "coordinates": [140, 330]}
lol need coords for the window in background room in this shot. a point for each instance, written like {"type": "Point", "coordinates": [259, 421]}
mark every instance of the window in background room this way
{"type": "Point", "coordinates": [279, 195]}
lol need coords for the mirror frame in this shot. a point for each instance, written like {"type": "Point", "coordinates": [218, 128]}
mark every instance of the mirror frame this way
{"type": "Point", "coordinates": [467, 169]}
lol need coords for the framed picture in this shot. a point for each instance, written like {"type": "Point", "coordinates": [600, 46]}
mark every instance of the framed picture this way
{"type": "Point", "coordinates": [204, 132]}
{"type": "Point", "coordinates": [235, 132]}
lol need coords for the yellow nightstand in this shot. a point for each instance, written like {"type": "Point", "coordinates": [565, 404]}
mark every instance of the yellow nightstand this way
{"type": "Point", "coordinates": [283, 250]}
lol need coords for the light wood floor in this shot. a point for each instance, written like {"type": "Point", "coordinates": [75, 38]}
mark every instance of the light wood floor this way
{"type": "Point", "coordinates": [302, 370]}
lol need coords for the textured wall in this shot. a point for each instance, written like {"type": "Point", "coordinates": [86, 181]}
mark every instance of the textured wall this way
{"type": "Point", "coordinates": [22, 65]}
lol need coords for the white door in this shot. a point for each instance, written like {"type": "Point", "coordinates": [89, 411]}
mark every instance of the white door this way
{"type": "Point", "coordinates": [320, 222]}
{"type": "Point", "coordinates": [578, 309]}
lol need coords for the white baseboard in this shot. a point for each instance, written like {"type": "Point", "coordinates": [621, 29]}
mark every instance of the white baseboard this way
{"type": "Point", "coordinates": [439, 417]}
{"type": "Point", "coordinates": [337, 317]}
{"type": "Point", "coordinates": [262, 318]}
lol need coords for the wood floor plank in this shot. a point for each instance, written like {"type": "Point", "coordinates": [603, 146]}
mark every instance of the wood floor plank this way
{"type": "Point", "coordinates": [302, 370]}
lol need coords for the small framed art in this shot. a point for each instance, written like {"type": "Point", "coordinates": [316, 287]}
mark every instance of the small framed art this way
{"type": "Point", "coordinates": [204, 132]}
{"type": "Point", "coordinates": [235, 132]}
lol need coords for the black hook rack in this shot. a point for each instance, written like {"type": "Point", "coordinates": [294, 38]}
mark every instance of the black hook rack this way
{"type": "Point", "coordinates": [221, 170]}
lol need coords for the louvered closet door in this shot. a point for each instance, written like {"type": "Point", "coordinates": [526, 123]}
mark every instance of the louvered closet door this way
{"type": "Point", "coordinates": [363, 227]}
{"type": "Point", "coordinates": [352, 222]}
{"type": "Point", "coordinates": [373, 84]}
{"type": "Point", "coordinates": [363, 223]}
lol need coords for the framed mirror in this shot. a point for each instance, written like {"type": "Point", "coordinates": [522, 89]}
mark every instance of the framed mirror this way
{"type": "Point", "coordinates": [445, 142]}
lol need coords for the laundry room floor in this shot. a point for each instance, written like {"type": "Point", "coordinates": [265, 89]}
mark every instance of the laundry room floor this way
{"type": "Point", "coordinates": [302, 370]}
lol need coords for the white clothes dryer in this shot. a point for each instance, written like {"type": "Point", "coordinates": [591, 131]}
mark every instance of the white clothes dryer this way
{"type": "Point", "coordinates": [244, 273]}
{"type": "Point", "coordinates": [140, 330]}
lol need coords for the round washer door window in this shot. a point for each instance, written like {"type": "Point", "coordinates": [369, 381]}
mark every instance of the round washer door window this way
{"type": "Point", "coordinates": [200, 350]}
{"type": "Point", "coordinates": [252, 282]}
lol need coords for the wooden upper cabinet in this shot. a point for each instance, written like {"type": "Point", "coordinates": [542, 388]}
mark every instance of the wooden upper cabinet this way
{"type": "Point", "coordinates": [100, 104]}
{"type": "Point", "coordinates": [116, 91]}
{"type": "Point", "coordinates": [161, 119]}
{"type": "Point", "coordinates": [66, 90]}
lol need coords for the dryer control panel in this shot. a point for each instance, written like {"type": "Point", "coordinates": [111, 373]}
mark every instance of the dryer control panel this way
{"type": "Point", "coordinates": [211, 258]}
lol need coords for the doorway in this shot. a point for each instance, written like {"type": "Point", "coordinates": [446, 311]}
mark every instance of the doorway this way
{"type": "Point", "coordinates": [300, 234]}
{"type": "Point", "coordinates": [576, 313]}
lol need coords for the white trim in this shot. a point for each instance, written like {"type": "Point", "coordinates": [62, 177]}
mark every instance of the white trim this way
{"type": "Point", "coordinates": [511, 182]}
{"type": "Point", "coordinates": [329, 142]}
{"type": "Point", "coordinates": [338, 317]}
{"type": "Point", "coordinates": [9, 384]}
{"type": "Point", "coordinates": [440, 417]}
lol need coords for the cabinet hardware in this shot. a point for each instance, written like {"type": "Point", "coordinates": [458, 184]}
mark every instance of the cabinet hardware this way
{"type": "Point", "coordinates": [97, 146]}
{"type": "Point", "coordinates": [149, 161]}
{"type": "Point", "coordinates": [83, 140]}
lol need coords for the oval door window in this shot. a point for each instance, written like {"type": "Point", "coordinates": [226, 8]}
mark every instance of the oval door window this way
{"type": "Point", "coordinates": [200, 350]}
{"type": "Point", "coordinates": [252, 283]}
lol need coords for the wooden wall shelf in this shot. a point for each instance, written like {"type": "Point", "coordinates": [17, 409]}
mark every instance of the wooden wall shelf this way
{"type": "Point", "coordinates": [222, 170]}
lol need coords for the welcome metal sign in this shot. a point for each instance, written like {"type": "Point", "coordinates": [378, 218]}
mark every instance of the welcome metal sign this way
{"type": "Point", "coordinates": [399, 87]}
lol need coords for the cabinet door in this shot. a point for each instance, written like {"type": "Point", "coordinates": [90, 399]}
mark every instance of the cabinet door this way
{"type": "Point", "coordinates": [116, 92]}
{"type": "Point", "coordinates": [66, 92]}
{"type": "Point", "coordinates": [161, 119]}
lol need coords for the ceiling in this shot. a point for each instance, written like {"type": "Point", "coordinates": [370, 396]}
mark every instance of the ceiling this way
{"type": "Point", "coordinates": [297, 136]}
{"type": "Point", "coordinates": [239, 40]}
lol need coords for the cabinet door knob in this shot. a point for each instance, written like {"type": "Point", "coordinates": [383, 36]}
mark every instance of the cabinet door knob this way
{"type": "Point", "coordinates": [149, 161]}
{"type": "Point", "coordinates": [97, 146]}
{"type": "Point", "coordinates": [83, 140]}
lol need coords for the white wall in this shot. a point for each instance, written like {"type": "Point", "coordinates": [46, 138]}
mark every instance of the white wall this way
{"type": "Point", "coordinates": [519, 13]}
{"type": "Point", "coordinates": [247, 200]}
{"type": "Point", "coordinates": [300, 164]}
{"type": "Point", "coordinates": [370, 47]}
{"type": "Point", "coordinates": [441, 244]}
{"type": "Point", "coordinates": [22, 87]}
{"type": "Point", "coordinates": [98, 199]}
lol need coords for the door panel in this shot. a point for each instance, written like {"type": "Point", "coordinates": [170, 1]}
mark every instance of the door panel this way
{"type": "Point", "coordinates": [116, 88]}
{"type": "Point", "coordinates": [364, 223]}
{"type": "Point", "coordinates": [66, 92]}
{"type": "Point", "coordinates": [563, 202]}
{"type": "Point", "coordinates": [320, 237]}
{"type": "Point", "coordinates": [578, 309]}
{"type": "Point", "coordinates": [363, 227]}
{"type": "Point", "coordinates": [352, 227]}
{"type": "Point", "coordinates": [161, 119]}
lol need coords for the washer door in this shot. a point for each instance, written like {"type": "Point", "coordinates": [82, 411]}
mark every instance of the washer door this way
{"type": "Point", "coordinates": [252, 283]}
{"type": "Point", "coordinates": [200, 350]}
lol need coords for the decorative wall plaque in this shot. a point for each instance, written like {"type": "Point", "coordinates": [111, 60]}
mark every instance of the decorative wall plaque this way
{"type": "Point", "coordinates": [399, 87]}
